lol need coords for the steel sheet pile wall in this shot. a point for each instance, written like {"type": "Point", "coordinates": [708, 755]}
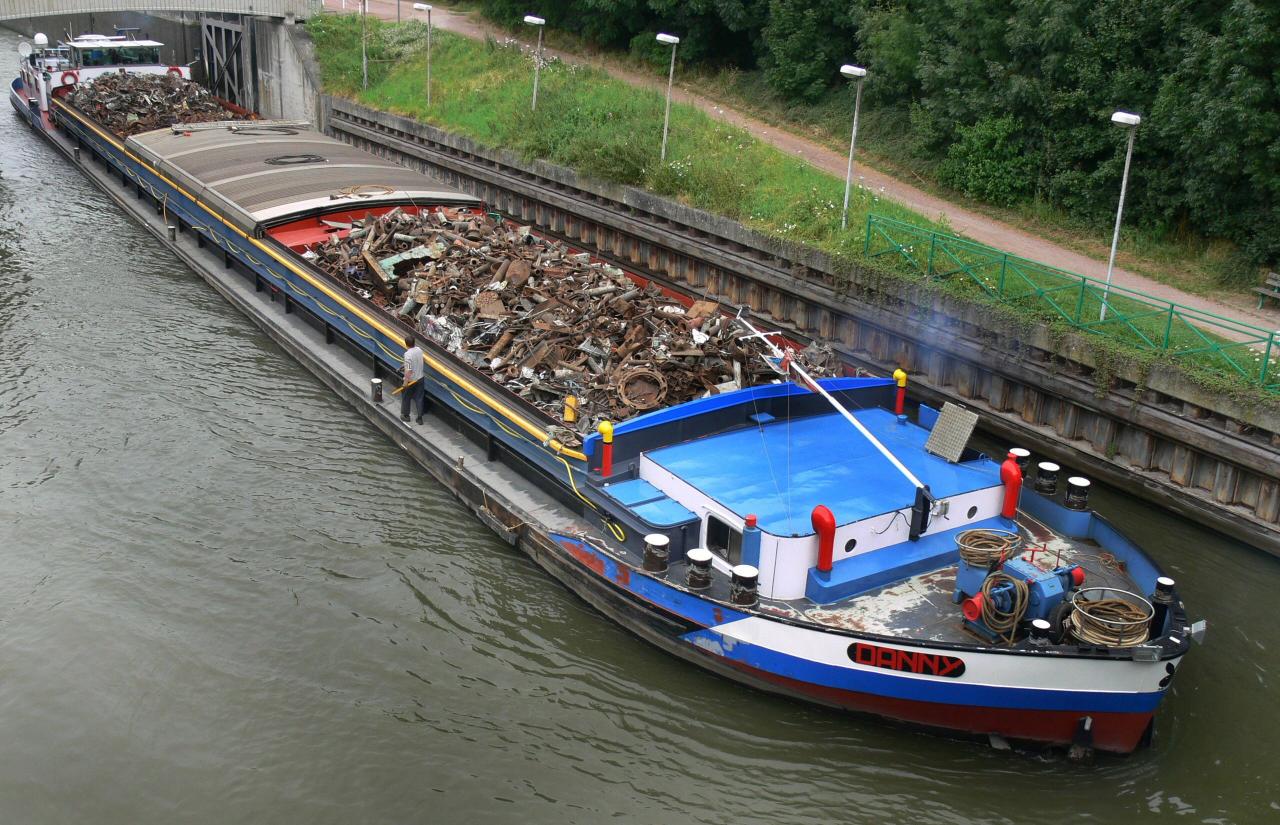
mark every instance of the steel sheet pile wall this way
{"type": "Point", "coordinates": [1169, 441]}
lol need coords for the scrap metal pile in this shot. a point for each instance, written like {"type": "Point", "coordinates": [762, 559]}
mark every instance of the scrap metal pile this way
{"type": "Point", "coordinates": [543, 321]}
{"type": "Point", "coordinates": [129, 104]}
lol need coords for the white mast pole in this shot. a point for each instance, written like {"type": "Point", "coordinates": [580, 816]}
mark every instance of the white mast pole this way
{"type": "Point", "coordinates": [813, 385]}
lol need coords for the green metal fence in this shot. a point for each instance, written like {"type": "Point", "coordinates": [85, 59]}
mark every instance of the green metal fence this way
{"type": "Point", "coordinates": [1222, 344]}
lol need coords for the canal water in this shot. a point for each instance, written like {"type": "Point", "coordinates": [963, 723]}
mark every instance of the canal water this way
{"type": "Point", "coordinates": [224, 597]}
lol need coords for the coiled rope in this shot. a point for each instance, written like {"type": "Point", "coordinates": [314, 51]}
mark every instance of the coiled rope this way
{"type": "Point", "coordinates": [981, 548]}
{"type": "Point", "coordinates": [999, 622]}
{"type": "Point", "coordinates": [1115, 621]}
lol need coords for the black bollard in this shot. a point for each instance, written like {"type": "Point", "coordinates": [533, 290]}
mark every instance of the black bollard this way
{"type": "Point", "coordinates": [656, 552]}
{"type": "Point", "coordinates": [1161, 601]}
{"type": "Point", "coordinates": [698, 575]}
{"type": "Point", "coordinates": [1047, 478]}
{"type": "Point", "coordinates": [742, 589]}
{"type": "Point", "coordinates": [1077, 495]}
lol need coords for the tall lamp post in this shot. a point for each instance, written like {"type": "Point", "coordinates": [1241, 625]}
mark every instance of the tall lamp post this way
{"type": "Point", "coordinates": [672, 41]}
{"type": "Point", "coordinates": [427, 8]}
{"type": "Point", "coordinates": [364, 47]}
{"type": "Point", "coordinates": [1130, 122]}
{"type": "Point", "coordinates": [537, 59]}
{"type": "Point", "coordinates": [860, 74]}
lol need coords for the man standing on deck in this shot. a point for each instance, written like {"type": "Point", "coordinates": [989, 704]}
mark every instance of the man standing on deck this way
{"type": "Point", "coordinates": [413, 390]}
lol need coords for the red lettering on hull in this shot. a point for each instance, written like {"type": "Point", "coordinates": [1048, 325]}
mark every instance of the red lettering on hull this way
{"type": "Point", "coordinates": [909, 661]}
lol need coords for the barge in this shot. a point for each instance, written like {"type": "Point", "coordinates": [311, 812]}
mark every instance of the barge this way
{"type": "Point", "coordinates": [812, 537]}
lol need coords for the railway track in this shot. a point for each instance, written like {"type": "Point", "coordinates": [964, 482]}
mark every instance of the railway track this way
{"type": "Point", "coordinates": [1156, 436]}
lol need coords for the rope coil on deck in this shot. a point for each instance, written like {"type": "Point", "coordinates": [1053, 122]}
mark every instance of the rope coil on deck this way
{"type": "Point", "coordinates": [982, 548]}
{"type": "Point", "coordinates": [1001, 623]}
{"type": "Point", "coordinates": [1114, 618]}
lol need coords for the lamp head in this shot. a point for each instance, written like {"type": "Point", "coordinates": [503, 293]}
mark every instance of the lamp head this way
{"type": "Point", "coordinates": [668, 39]}
{"type": "Point", "coordinates": [853, 72]}
{"type": "Point", "coordinates": [534, 21]}
{"type": "Point", "coordinates": [1125, 119]}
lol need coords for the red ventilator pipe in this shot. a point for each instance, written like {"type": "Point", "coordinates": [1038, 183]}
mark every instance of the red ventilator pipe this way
{"type": "Point", "coordinates": [1011, 478]}
{"type": "Point", "coordinates": [899, 402]}
{"type": "Point", "coordinates": [824, 524]}
{"type": "Point", "coordinates": [606, 448]}
{"type": "Point", "coordinates": [972, 607]}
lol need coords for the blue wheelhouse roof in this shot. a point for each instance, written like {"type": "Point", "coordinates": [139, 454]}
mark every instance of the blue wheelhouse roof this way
{"type": "Point", "coordinates": [781, 470]}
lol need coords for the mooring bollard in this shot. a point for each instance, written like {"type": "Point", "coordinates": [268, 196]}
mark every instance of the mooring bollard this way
{"type": "Point", "coordinates": [173, 233]}
{"type": "Point", "coordinates": [656, 553]}
{"type": "Point", "coordinates": [1077, 496]}
{"type": "Point", "coordinates": [742, 590]}
{"type": "Point", "coordinates": [698, 576]}
{"type": "Point", "coordinates": [1047, 478]}
{"type": "Point", "coordinates": [375, 390]}
{"type": "Point", "coordinates": [1023, 456]}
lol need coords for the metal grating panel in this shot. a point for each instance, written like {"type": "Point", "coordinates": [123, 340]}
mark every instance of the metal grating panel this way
{"type": "Point", "coordinates": [950, 434]}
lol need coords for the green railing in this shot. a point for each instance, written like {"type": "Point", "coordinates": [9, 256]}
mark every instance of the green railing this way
{"type": "Point", "coordinates": [1230, 347]}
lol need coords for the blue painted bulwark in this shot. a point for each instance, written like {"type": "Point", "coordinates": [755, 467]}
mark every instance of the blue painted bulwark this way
{"type": "Point", "coordinates": [859, 574]}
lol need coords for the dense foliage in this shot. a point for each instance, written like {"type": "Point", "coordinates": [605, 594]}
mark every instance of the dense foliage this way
{"type": "Point", "coordinates": [1008, 100]}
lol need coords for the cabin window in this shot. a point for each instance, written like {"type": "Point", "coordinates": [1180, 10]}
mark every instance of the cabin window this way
{"type": "Point", "coordinates": [724, 541]}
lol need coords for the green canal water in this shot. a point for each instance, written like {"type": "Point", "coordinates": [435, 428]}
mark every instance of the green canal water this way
{"type": "Point", "coordinates": [225, 598]}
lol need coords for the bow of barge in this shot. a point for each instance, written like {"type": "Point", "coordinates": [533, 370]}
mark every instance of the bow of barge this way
{"type": "Point", "coordinates": [801, 535]}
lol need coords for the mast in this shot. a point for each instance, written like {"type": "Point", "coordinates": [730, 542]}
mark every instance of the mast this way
{"type": "Point", "coordinates": [923, 504]}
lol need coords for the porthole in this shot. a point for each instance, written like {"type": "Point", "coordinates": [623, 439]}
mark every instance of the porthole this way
{"type": "Point", "coordinates": [849, 545]}
{"type": "Point", "coordinates": [973, 511]}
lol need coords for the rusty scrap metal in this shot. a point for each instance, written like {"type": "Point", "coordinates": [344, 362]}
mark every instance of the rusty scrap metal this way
{"type": "Point", "coordinates": [129, 104]}
{"type": "Point", "coordinates": [544, 321]}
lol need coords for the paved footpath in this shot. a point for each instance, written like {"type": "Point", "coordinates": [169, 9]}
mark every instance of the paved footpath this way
{"type": "Point", "coordinates": [965, 222]}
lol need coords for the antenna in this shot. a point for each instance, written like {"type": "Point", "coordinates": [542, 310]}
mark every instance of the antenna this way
{"type": "Point", "coordinates": [922, 506]}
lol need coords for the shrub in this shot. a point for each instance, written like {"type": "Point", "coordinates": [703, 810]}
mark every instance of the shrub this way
{"type": "Point", "coordinates": [989, 162]}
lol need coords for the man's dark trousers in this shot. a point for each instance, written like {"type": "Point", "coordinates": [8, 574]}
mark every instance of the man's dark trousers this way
{"type": "Point", "coordinates": [417, 394]}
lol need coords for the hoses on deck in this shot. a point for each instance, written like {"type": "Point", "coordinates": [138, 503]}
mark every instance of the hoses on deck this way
{"type": "Point", "coordinates": [982, 548]}
{"type": "Point", "coordinates": [997, 620]}
{"type": "Point", "coordinates": [1109, 622]}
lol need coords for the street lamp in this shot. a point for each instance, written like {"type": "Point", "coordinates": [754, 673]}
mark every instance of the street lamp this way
{"type": "Point", "coordinates": [860, 74]}
{"type": "Point", "coordinates": [427, 8]}
{"type": "Point", "coordinates": [1130, 122]}
{"type": "Point", "coordinates": [537, 59]}
{"type": "Point", "coordinates": [364, 47]}
{"type": "Point", "coordinates": [672, 41]}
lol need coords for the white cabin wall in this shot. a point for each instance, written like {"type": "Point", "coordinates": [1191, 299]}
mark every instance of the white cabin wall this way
{"type": "Point", "coordinates": [785, 561]}
{"type": "Point", "coordinates": [795, 556]}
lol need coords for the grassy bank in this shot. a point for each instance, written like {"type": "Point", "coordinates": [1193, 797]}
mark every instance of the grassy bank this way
{"type": "Point", "coordinates": [611, 130]}
{"type": "Point", "coordinates": [595, 124]}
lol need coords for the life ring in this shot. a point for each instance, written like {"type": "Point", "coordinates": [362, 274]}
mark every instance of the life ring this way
{"type": "Point", "coordinates": [70, 78]}
{"type": "Point", "coordinates": [174, 70]}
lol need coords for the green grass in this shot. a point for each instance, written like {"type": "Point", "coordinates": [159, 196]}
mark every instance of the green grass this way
{"type": "Point", "coordinates": [1195, 339]}
{"type": "Point", "coordinates": [597, 125]}
{"type": "Point", "coordinates": [610, 130]}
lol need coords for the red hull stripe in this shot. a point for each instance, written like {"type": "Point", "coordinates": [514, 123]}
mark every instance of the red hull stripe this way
{"type": "Point", "coordinates": [1120, 732]}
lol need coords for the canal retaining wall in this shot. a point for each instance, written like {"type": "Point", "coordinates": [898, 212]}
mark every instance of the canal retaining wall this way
{"type": "Point", "coordinates": [1149, 431]}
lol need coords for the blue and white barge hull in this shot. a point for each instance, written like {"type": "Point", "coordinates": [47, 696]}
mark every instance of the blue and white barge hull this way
{"type": "Point", "coordinates": [804, 537]}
